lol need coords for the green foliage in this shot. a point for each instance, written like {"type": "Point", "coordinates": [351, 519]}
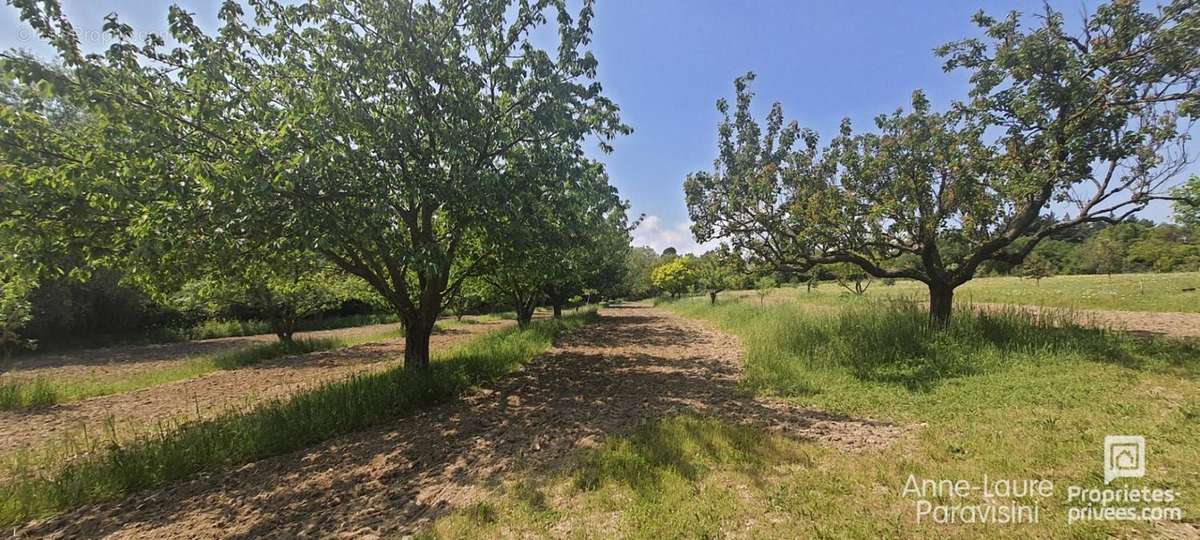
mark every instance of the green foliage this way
{"type": "Point", "coordinates": [1187, 207]}
{"type": "Point", "coordinates": [850, 277]}
{"type": "Point", "coordinates": [676, 276]}
{"type": "Point", "coordinates": [719, 270]}
{"type": "Point", "coordinates": [639, 265]}
{"type": "Point", "coordinates": [1036, 268]}
{"type": "Point", "coordinates": [277, 427]}
{"type": "Point", "coordinates": [933, 196]}
{"type": "Point", "coordinates": [1103, 255]}
{"type": "Point", "coordinates": [391, 160]}
{"type": "Point", "coordinates": [15, 313]}
{"type": "Point", "coordinates": [763, 286]}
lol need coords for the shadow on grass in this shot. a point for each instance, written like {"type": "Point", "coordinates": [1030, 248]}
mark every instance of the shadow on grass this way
{"type": "Point", "coordinates": [893, 343]}
{"type": "Point", "coordinates": [682, 447]}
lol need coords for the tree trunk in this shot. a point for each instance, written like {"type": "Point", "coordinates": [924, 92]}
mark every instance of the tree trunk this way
{"type": "Point", "coordinates": [712, 298]}
{"type": "Point", "coordinates": [941, 304]}
{"type": "Point", "coordinates": [285, 329]}
{"type": "Point", "coordinates": [416, 345]}
{"type": "Point", "coordinates": [524, 312]}
{"type": "Point", "coordinates": [557, 310]}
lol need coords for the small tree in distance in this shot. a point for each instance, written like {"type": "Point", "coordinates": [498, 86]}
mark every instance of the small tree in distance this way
{"type": "Point", "coordinates": [763, 287]}
{"type": "Point", "coordinates": [675, 276]}
{"type": "Point", "coordinates": [1037, 268]}
{"type": "Point", "coordinates": [716, 271]}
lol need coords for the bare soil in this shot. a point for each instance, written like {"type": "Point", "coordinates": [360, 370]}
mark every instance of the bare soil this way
{"type": "Point", "coordinates": [130, 413]}
{"type": "Point", "coordinates": [634, 365]}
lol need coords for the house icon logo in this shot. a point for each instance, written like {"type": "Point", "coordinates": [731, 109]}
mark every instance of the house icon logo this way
{"type": "Point", "coordinates": [1124, 457]}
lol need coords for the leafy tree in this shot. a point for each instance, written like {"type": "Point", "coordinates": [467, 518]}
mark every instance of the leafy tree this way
{"type": "Point", "coordinates": [1187, 203]}
{"type": "Point", "coordinates": [563, 237]}
{"type": "Point", "coordinates": [675, 276]}
{"type": "Point", "coordinates": [851, 277]}
{"type": "Point", "coordinates": [1104, 255]}
{"type": "Point", "coordinates": [763, 287]}
{"type": "Point", "coordinates": [14, 314]}
{"type": "Point", "coordinates": [813, 281]}
{"type": "Point", "coordinates": [1036, 267]}
{"type": "Point", "coordinates": [639, 263]}
{"type": "Point", "coordinates": [1086, 121]}
{"type": "Point", "coordinates": [373, 132]}
{"type": "Point", "coordinates": [717, 271]}
{"type": "Point", "coordinates": [473, 295]}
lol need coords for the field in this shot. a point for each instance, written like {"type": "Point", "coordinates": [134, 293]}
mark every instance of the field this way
{"type": "Point", "coordinates": [1119, 292]}
{"type": "Point", "coordinates": [257, 269]}
{"type": "Point", "coordinates": [796, 416]}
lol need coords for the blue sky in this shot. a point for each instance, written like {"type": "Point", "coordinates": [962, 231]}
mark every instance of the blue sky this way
{"type": "Point", "coordinates": [666, 62]}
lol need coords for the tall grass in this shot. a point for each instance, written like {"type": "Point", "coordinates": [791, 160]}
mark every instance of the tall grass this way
{"type": "Point", "coordinates": [791, 348]}
{"type": "Point", "coordinates": [1009, 395]}
{"type": "Point", "coordinates": [276, 427]}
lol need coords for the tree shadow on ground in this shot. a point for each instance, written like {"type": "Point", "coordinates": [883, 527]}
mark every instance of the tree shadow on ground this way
{"type": "Point", "coordinates": [633, 366]}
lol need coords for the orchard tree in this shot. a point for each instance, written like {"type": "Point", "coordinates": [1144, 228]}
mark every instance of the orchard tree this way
{"type": "Point", "coordinates": [15, 312]}
{"type": "Point", "coordinates": [1088, 123]}
{"type": "Point", "coordinates": [639, 263]}
{"type": "Point", "coordinates": [675, 276]}
{"type": "Point", "coordinates": [373, 132]}
{"type": "Point", "coordinates": [1037, 268]}
{"type": "Point", "coordinates": [851, 277]}
{"type": "Point", "coordinates": [717, 271]}
{"type": "Point", "coordinates": [763, 287]}
{"type": "Point", "coordinates": [561, 237]}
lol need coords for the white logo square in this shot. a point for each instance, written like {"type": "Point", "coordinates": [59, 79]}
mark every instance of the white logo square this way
{"type": "Point", "coordinates": [1124, 457]}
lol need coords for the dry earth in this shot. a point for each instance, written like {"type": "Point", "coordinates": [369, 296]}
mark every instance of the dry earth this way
{"type": "Point", "coordinates": [634, 365]}
{"type": "Point", "coordinates": [135, 412]}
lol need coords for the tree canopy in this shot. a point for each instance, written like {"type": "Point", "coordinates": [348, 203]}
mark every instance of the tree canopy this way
{"type": "Point", "coordinates": [377, 134]}
{"type": "Point", "coordinates": [1091, 122]}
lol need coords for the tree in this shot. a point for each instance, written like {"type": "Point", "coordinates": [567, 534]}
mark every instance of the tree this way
{"type": "Point", "coordinates": [282, 292]}
{"type": "Point", "coordinates": [1103, 254]}
{"type": "Point", "coordinates": [14, 314]}
{"type": "Point", "coordinates": [1187, 203]}
{"type": "Point", "coordinates": [763, 287]}
{"type": "Point", "coordinates": [851, 277]}
{"type": "Point", "coordinates": [716, 271]}
{"type": "Point", "coordinates": [675, 276]}
{"type": "Point", "coordinates": [564, 237]}
{"type": "Point", "coordinates": [1036, 267]}
{"type": "Point", "coordinates": [1086, 121]}
{"type": "Point", "coordinates": [473, 295]}
{"type": "Point", "coordinates": [375, 133]}
{"type": "Point", "coordinates": [813, 281]}
{"type": "Point", "coordinates": [639, 263]}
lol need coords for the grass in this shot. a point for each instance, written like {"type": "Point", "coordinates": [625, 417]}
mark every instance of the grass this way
{"type": "Point", "coordinates": [1004, 394]}
{"type": "Point", "coordinates": [274, 428]}
{"type": "Point", "coordinates": [44, 392]}
{"type": "Point", "coordinates": [41, 392]}
{"type": "Point", "coordinates": [231, 328]}
{"type": "Point", "coordinates": [1125, 292]}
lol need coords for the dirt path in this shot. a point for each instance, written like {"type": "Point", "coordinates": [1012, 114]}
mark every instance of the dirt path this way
{"type": "Point", "coordinates": [140, 410]}
{"type": "Point", "coordinates": [635, 364]}
{"type": "Point", "coordinates": [122, 360]}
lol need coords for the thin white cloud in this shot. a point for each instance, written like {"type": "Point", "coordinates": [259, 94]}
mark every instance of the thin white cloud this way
{"type": "Point", "coordinates": [654, 232]}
